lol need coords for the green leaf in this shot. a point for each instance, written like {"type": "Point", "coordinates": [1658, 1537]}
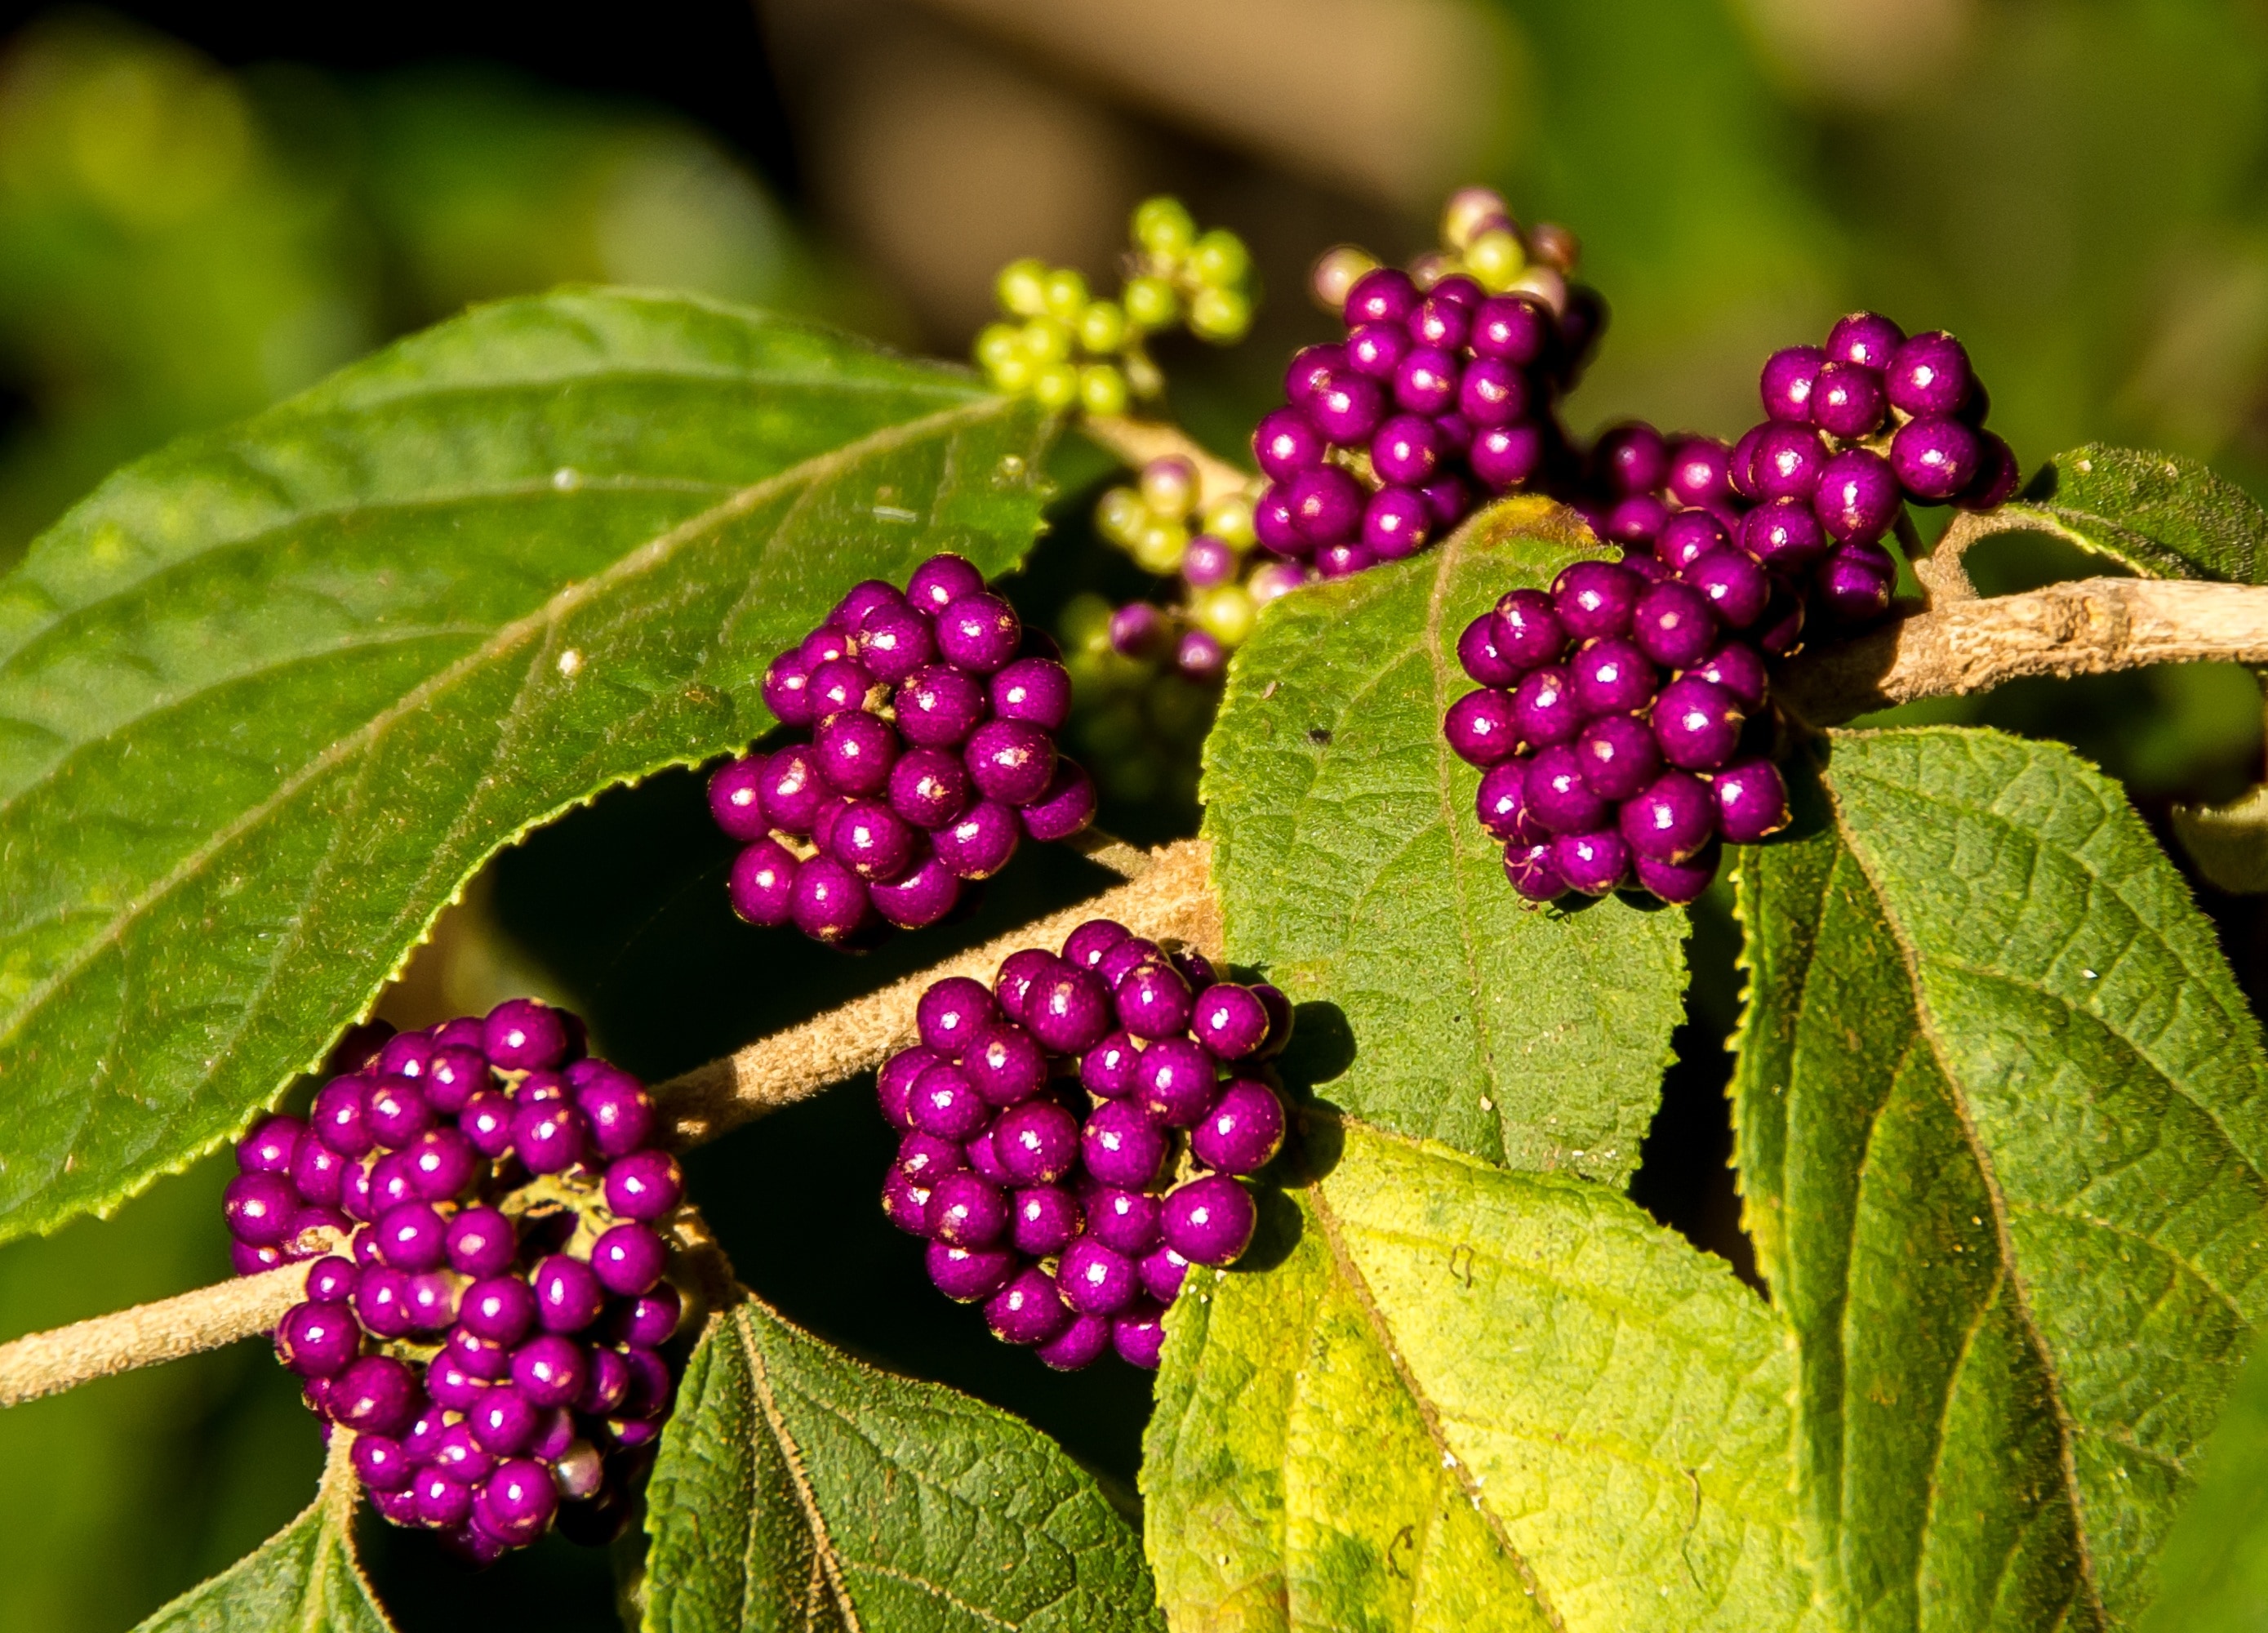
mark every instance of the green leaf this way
{"type": "Point", "coordinates": [1352, 868]}
{"type": "Point", "coordinates": [799, 1489]}
{"type": "Point", "coordinates": [1463, 1398]}
{"type": "Point", "coordinates": [269, 697]}
{"type": "Point", "coordinates": [2163, 515]}
{"type": "Point", "coordinates": [304, 1579]}
{"type": "Point", "coordinates": [2001, 1129]}
{"type": "Point", "coordinates": [2216, 1562]}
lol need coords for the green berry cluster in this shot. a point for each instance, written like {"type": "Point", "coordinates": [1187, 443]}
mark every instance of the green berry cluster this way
{"type": "Point", "coordinates": [1160, 522]}
{"type": "Point", "coordinates": [1479, 237]}
{"type": "Point", "coordinates": [1066, 348]}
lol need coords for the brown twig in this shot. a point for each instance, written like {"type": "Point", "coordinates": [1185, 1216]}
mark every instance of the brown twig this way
{"type": "Point", "coordinates": [1169, 898]}
{"type": "Point", "coordinates": [1138, 442]}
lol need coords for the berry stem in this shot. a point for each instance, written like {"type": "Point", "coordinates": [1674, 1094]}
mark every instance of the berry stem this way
{"type": "Point", "coordinates": [2092, 626]}
{"type": "Point", "coordinates": [1172, 900]}
{"type": "Point", "coordinates": [1138, 442]}
{"type": "Point", "coordinates": [1944, 579]}
{"type": "Point", "coordinates": [43, 1364]}
{"type": "Point", "coordinates": [1129, 862]}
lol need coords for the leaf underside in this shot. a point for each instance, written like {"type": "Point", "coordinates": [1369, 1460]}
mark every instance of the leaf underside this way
{"type": "Point", "coordinates": [304, 1579]}
{"type": "Point", "coordinates": [1463, 1398]}
{"type": "Point", "coordinates": [799, 1489]}
{"type": "Point", "coordinates": [1352, 869]}
{"type": "Point", "coordinates": [2162, 515]}
{"type": "Point", "coordinates": [269, 697]}
{"type": "Point", "coordinates": [2001, 1134]}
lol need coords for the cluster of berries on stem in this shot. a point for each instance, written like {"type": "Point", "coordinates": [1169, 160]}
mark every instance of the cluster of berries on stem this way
{"type": "Point", "coordinates": [931, 754]}
{"type": "Point", "coordinates": [1075, 1137]}
{"type": "Point", "coordinates": [497, 1333]}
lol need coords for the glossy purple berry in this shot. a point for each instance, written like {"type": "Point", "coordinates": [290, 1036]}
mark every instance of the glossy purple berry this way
{"type": "Point", "coordinates": [1677, 883]}
{"type": "Point", "coordinates": [980, 842]}
{"type": "Point", "coordinates": [1855, 583]}
{"type": "Point", "coordinates": [790, 788]}
{"type": "Point", "coordinates": [1125, 956]}
{"type": "Point", "coordinates": [1107, 1070]}
{"type": "Point", "coordinates": [1492, 392]}
{"type": "Point", "coordinates": [966, 1275]}
{"type": "Point", "coordinates": [499, 1309]}
{"type": "Point", "coordinates": [644, 1186]}
{"type": "Point", "coordinates": [339, 1117]}
{"type": "Point", "coordinates": [1395, 524]}
{"type": "Point", "coordinates": [979, 633]}
{"type": "Point", "coordinates": [1006, 1063]}
{"type": "Point", "coordinates": [1479, 657]}
{"type": "Point", "coordinates": [1034, 691]}
{"type": "Point", "coordinates": [1740, 669]}
{"type": "Point", "coordinates": [375, 1396]}
{"type": "Point", "coordinates": [929, 788]}
{"type": "Point", "coordinates": [1934, 459]}
{"type": "Point", "coordinates": [1532, 871]}
{"type": "Point", "coordinates": [1027, 1310]}
{"type": "Point", "coordinates": [1526, 629]}
{"type": "Point", "coordinates": [1037, 1142]}
{"type": "Point", "coordinates": [1174, 1083]}
{"type": "Point", "coordinates": [568, 1294]}
{"type": "Point", "coordinates": [318, 1340]}
{"type": "Point", "coordinates": [1501, 803]}
{"type": "Point", "coordinates": [1516, 328]}
{"type": "Point", "coordinates": [413, 1236]}
{"type": "Point", "coordinates": [1327, 504]}
{"type": "Point", "coordinates": [1847, 400]}
{"type": "Point", "coordinates": [1997, 479]}
{"type": "Point", "coordinates": [1865, 337]}
{"type": "Point", "coordinates": [521, 1034]}
{"type": "Point", "coordinates": [1153, 1001]}
{"type": "Point", "coordinates": [1285, 443]}
{"type": "Point", "coordinates": [1138, 1334]}
{"type": "Point", "coordinates": [1737, 586]}
{"type": "Point", "coordinates": [1687, 536]}
{"type": "Point", "coordinates": [1593, 864]}
{"type": "Point", "coordinates": [968, 1211]}
{"type": "Point", "coordinates": [1787, 381]}
{"type": "Point", "coordinates": [830, 903]}
{"type": "Point", "coordinates": [1611, 676]}
{"type": "Point", "coordinates": [1751, 799]}
{"type": "Point", "coordinates": [258, 1208]}
{"type": "Point", "coordinates": [839, 685]}
{"type": "Point", "coordinates": [938, 706]}
{"type": "Point", "coordinates": [1122, 1145]}
{"type": "Point", "coordinates": [1347, 407]}
{"type": "Point", "coordinates": [1670, 819]}
{"type": "Point", "coordinates": [1699, 471]}
{"type": "Point", "coordinates": [1206, 563]}
{"type": "Point", "coordinates": [1163, 1272]}
{"type": "Point", "coordinates": [1093, 1280]}
{"type": "Point", "coordinates": [918, 897]}
{"type": "Point", "coordinates": [515, 1504]}
{"type": "Point", "coordinates": [1595, 599]}
{"type": "Point", "coordinates": [1426, 380]}
{"type": "Point", "coordinates": [548, 1370]}
{"type": "Point", "coordinates": [940, 581]}
{"type": "Point", "coordinates": [1010, 761]}
{"type": "Point", "coordinates": [442, 1163]}
{"type": "Point", "coordinates": [1124, 1221]}
{"type": "Point", "coordinates": [1382, 295]}
{"type": "Point", "coordinates": [1406, 449]}
{"type": "Point", "coordinates": [953, 1012]}
{"type": "Point", "coordinates": [1069, 1011]}
{"type": "Point", "coordinates": [1209, 1220]}
{"type": "Point", "coordinates": [1042, 1218]}
{"type": "Point", "coordinates": [1018, 971]}
{"type": "Point", "coordinates": [628, 1258]}
{"type": "Point", "coordinates": [894, 642]}
{"type": "Point", "coordinates": [947, 1104]}
{"type": "Point", "coordinates": [855, 751]}
{"type": "Point", "coordinates": [650, 1319]}
{"type": "Point", "coordinates": [548, 1136]}
{"type": "Point", "coordinates": [1065, 807]}
{"type": "Point", "coordinates": [1697, 724]}
{"type": "Point", "coordinates": [1505, 456]}
{"type": "Point", "coordinates": [1785, 462]}
{"type": "Point", "coordinates": [1558, 796]}
{"type": "Point", "coordinates": [1229, 1021]}
{"type": "Point", "coordinates": [1858, 496]}
{"type": "Point", "coordinates": [1617, 756]}
{"type": "Point", "coordinates": [1784, 536]}
{"type": "Point", "coordinates": [1241, 1131]}
{"type": "Point", "coordinates": [1080, 1344]}
{"type": "Point", "coordinates": [1375, 350]}
{"type": "Point", "coordinates": [1929, 375]}
{"type": "Point", "coordinates": [1479, 728]}
{"type": "Point", "coordinates": [905, 1203]}
{"type": "Point", "coordinates": [1674, 625]}
{"type": "Point", "coordinates": [761, 884]}
{"type": "Point", "coordinates": [272, 1145]}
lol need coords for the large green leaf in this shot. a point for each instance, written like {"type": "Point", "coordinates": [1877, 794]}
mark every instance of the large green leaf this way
{"type": "Point", "coordinates": [304, 1579]}
{"type": "Point", "coordinates": [1352, 868]}
{"type": "Point", "coordinates": [799, 1489]}
{"type": "Point", "coordinates": [1465, 1398]}
{"type": "Point", "coordinates": [2163, 515]}
{"type": "Point", "coordinates": [269, 696]}
{"type": "Point", "coordinates": [2215, 1561]}
{"type": "Point", "coordinates": [2002, 1121]}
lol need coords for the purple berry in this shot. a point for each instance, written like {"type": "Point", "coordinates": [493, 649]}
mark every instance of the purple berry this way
{"type": "Point", "coordinates": [1935, 458]}
{"type": "Point", "coordinates": [979, 842]}
{"type": "Point", "coordinates": [1124, 1221]}
{"type": "Point", "coordinates": [1558, 796]}
{"type": "Point", "coordinates": [1855, 583]}
{"type": "Point", "coordinates": [1229, 1021]}
{"type": "Point", "coordinates": [1078, 1345]}
{"type": "Point", "coordinates": [1093, 1280]}
{"type": "Point", "coordinates": [1858, 496]}
{"type": "Point", "coordinates": [441, 1164]}
{"type": "Point", "coordinates": [499, 1309]}
{"type": "Point", "coordinates": [1395, 524]}
{"type": "Point", "coordinates": [1611, 676]}
{"type": "Point", "coordinates": [1847, 400]}
{"type": "Point", "coordinates": [480, 1241]}
{"type": "Point", "coordinates": [938, 706]}
{"type": "Point", "coordinates": [1037, 1143]}
{"type": "Point", "coordinates": [521, 1034]}
{"type": "Point", "coordinates": [1126, 956]}
{"type": "Point", "coordinates": [1784, 536]}
{"type": "Point", "coordinates": [1505, 456]}
{"type": "Point", "coordinates": [1068, 1011]}
{"type": "Point", "coordinates": [1382, 295]}
{"type": "Point", "coordinates": [1633, 457]}
{"type": "Point", "coordinates": [1787, 461]}
{"type": "Point", "coordinates": [1594, 598]}
{"type": "Point", "coordinates": [1492, 392]}
{"type": "Point", "coordinates": [1018, 971]}
{"type": "Point", "coordinates": [1406, 449]}
{"type": "Point", "coordinates": [926, 1158]}
{"type": "Point", "coordinates": [1153, 1001]}
{"type": "Point", "coordinates": [1594, 864]}
{"type": "Point", "coordinates": [1173, 1085]}
{"type": "Point", "coordinates": [1687, 536]}
{"type": "Point", "coordinates": [978, 633]}
{"type": "Point", "coordinates": [831, 903]}
{"type": "Point", "coordinates": [1034, 691]}
{"type": "Point", "coordinates": [1209, 1220]}
{"type": "Point", "coordinates": [1439, 319]}
{"type": "Point", "coordinates": [1139, 1335]}
{"type": "Point", "coordinates": [1501, 804]}
{"type": "Point", "coordinates": [1027, 1310]}
{"type": "Point", "coordinates": [258, 1207]}
{"type": "Point", "coordinates": [1122, 1145]}
{"type": "Point", "coordinates": [1200, 653]}
{"type": "Point", "coordinates": [967, 1211]}
{"type": "Point", "coordinates": [786, 688]}
{"type": "Point", "coordinates": [339, 1118]}
{"type": "Point", "coordinates": [627, 1260]}
{"type": "Point", "coordinates": [1347, 407]}
{"type": "Point", "coordinates": [1526, 631]}
{"type": "Point", "coordinates": [1310, 372]}
{"type": "Point", "coordinates": [1327, 504]}
{"type": "Point", "coordinates": [1737, 667]}
{"type": "Point", "coordinates": [839, 685]}
{"type": "Point", "coordinates": [1697, 724]}
{"type": "Point", "coordinates": [1285, 443]}
{"type": "Point", "coordinates": [548, 1370]}
{"type": "Point", "coordinates": [515, 1504]}
{"type": "Point", "coordinates": [331, 1280]}
{"type": "Point", "coordinates": [1674, 624]}
{"type": "Point", "coordinates": [761, 885]}
{"type": "Point", "coordinates": [905, 1203]}
{"type": "Point", "coordinates": [1206, 563]}
{"type": "Point", "coordinates": [1737, 587]}
{"type": "Point", "coordinates": [1786, 384]}
{"type": "Point", "coordinates": [644, 1186]}
{"type": "Point", "coordinates": [1516, 328]}
{"type": "Point", "coordinates": [1478, 655]}
{"type": "Point", "coordinates": [1426, 381]}
{"type": "Point", "coordinates": [947, 1104]}
{"type": "Point", "coordinates": [1670, 819]}
{"type": "Point", "coordinates": [1617, 756]}
{"type": "Point", "coordinates": [318, 1340]}
{"type": "Point", "coordinates": [790, 788]}
{"type": "Point", "coordinates": [1163, 1272]}
{"type": "Point", "coordinates": [1010, 761]}
{"type": "Point", "coordinates": [1677, 883]}
{"type": "Point", "coordinates": [1533, 873]}
{"type": "Point", "coordinates": [1107, 1070]}
{"type": "Point", "coordinates": [380, 1463]}
{"type": "Point", "coordinates": [1997, 479]}
{"type": "Point", "coordinates": [375, 1396]}
{"type": "Point", "coordinates": [1544, 709]}
{"type": "Point", "coordinates": [272, 1145]}
{"type": "Point", "coordinates": [966, 1275]}
{"type": "Point", "coordinates": [1751, 800]}
{"type": "Point", "coordinates": [1929, 375]}
{"type": "Point", "coordinates": [413, 1236]}
{"type": "Point", "coordinates": [1699, 471]}
{"type": "Point", "coordinates": [1243, 1129]}
{"type": "Point", "coordinates": [855, 751]}
{"type": "Point", "coordinates": [919, 897]}
{"type": "Point", "coordinates": [940, 581]}
{"type": "Point", "coordinates": [894, 642]}
{"type": "Point", "coordinates": [1272, 524]}
{"type": "Point", "coordinates": [548, 1136]}
{"type": "Point", "coordinates": [568, 1294]}
{"type": "Point", "coordinates": [1635, 521]}
{"type": "Point", "coordinates": [1865, 337]}
{"type": "Point", "coordinates": [953, 1012]}
{"type": "Point", "coordinates": [929, 788]}
{"type": "Point", "coordinates": [1044, 1218]}
{"type": "Point", "coordinates": [1065, 807]}
{"type": "Point", "coordinates": [1005, 1063]}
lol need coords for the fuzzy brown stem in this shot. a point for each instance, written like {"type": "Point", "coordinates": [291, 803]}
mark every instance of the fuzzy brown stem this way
{"type": "Point", "coordinates": [1138, 442]}
{"type": "Point", "coordinates": [2092, 626]}
{"type": "Point", "coordinates": [1173, 899]}
{"type": "Point", "coordinates": [48, 1362]}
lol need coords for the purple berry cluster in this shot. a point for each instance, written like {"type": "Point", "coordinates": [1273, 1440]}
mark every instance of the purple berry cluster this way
{"type": "Point", "coordinates": [1853, 431]}
{"type": "Point", "coordinates": [493, 1334]}
{"type": "Point", "coordinates": [1076, 1137]}
{"type": "Point", "coordinates": [1436, 398]}
{"type": "Point", "coordinates": [932, 715]}
{"type": "Point", "coordinates": [1608, 729]}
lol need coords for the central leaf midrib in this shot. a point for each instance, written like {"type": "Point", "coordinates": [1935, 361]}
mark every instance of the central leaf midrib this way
{"type": "Point", "coordinates": [822, 1545]}
{"type": "Point", "coordinates": [636, 560]}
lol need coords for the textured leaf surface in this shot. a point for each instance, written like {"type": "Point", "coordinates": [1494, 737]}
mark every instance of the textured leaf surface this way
{"type": "Point", "coordinates": [1471, 1399]}
{"type": "Point", "coordinates": [1352, 868]}
{"type": "Point", "coordinates": [304, 1579]}
{"type": "Point", "coordinates": [2215, 1563]}
{"type": "Point", "coordinates": [2161, 514]}
{"type": "Point", "coordinates": [2002, 1125]}
{"type": "Point", "coordinates": [269, 696]}
{"type": "Point", "coordinates": [799, 1489]}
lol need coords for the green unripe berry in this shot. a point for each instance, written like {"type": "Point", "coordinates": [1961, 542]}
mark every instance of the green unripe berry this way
{"type": "Point", "coordinates": [1229, 520]}
{"type": "Point", "coordinates": [1160, 547]}
{"type": "Point", "coordinates": [1056, 387]}
{"type": "Point", "coordinates": [1169, 487]}
{"type": "Point", "coordinates": [1219, 315]}
{"type": "Point", "coordinates": [1023, 287]}
{"type": "Point", "coordinates": [1144, 377]}
{"type": "Point", "coordinates": [1120, 516]}
{"type": "Point", "coordinates": [1101, 389]}
{"type": "Point", "coordinates": [1085, 621]}
{"type": "Point", "coordinates": [1495, 259]}
{"type": "Point", "coordinates": [1162, 226]}
{"type": "Point", "coordinates": [1150, 303]}
{"type": "Point", "coordinates": [1220, 259]}
{"type": "Point", "coordinates": [1065, 296]}
{"type": "Point", "coordinates": [1467, 211]}
{"type": "Point", "coordinates": [1335, 274]}
{"type": "Point", "coordinates": [1013, 374]}
{"type": "Point", "coordinates": [1102, 328]}
{"type": "Point", "coordinates": [1046, 341]}
{"type": "Point", "coordinates": [1226, 614]}
{"type": "Point", "coordinates": [996, 342]}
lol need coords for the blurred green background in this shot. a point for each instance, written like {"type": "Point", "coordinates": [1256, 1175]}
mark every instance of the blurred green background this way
{"type": "Point", "coordinates": [199, 214]}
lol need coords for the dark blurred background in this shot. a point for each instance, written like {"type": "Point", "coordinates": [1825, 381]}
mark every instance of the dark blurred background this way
{"type": "Point", "coordinates": [203, 208]}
